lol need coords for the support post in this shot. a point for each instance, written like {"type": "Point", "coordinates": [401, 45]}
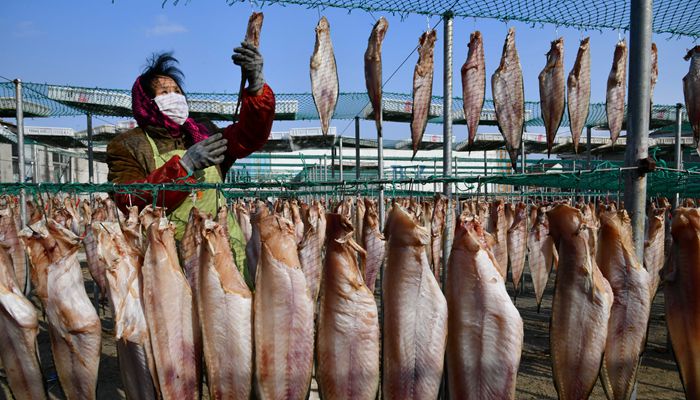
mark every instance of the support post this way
{"type": "Point", "coordinates": [357, 148]}
{"type": "Point", "coordinates": [588, 147]}
{"type": "Point", "coordinates": [447, 154]}
{"type": "Point", "coordinates": [20, 150]}
{"type": "Point", "coordinates": [333, 160]}
{"type": "Point", "coordinates": [677, 148]}
{"type": "Point", "coordinates": [340, 158]}
{"type": "Point", "coordinates": [91, 168]}
{"type": "Point", "coordinates": [447, 137]}
{"type": "Point", "coordinates": [638, 117]}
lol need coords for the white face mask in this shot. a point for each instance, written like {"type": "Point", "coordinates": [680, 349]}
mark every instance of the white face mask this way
{"type": "Point", "coordinates": [174, 105]}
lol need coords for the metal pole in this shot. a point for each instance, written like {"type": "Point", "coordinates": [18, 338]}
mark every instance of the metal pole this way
{"type": "Point", "coordinates": [447, 155]}
{"type": "Point", "coordinates": [588, 147]}
{"type": "Point", "coordinates": [91, 170]}
{"type": "Point", "coordinates": [638, 116]}
{"type": "Point", "coordinates": [340, 158]}
{"type": "Point", "coordinates": [20, 150]}
{"type": "Point", "coordinates": [677, 148]}
{"type": "Point", "coordinates": [486, 173]}
{"type": "Point", "coordinates": [333, 161]}
{"type": "Point", "coordinates": [522, 157]}
{"type": "Point", "coordinates": [447, 138]}
{"type": "Point", "coordinates": [357, 148]}
{"type": "Point", "coordinates": [35, 163]}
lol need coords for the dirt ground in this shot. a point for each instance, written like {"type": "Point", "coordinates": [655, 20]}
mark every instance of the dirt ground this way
{"type": "Point", "coordinates": [657, 378]}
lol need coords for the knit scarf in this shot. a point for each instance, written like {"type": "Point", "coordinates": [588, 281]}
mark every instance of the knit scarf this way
{"type": "Point", "coordinates": [147, 114]}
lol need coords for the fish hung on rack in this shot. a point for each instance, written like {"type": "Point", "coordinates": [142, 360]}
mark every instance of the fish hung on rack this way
{"type": "Point", "coordinates": [324, 75]}
{"type": "Point", "coordinates": [252, 36]}
{"type": "Point", "coordinates": [553, 91]}
{"type": "Point", "coordinates": [373, 69]}
{"type": "Point", "coordinates": [422, 87]}
{"type": "Point", "coordinates": [654, 72]}
{"type": "Point", "coordinates": [474, 84]}
{"type": "Point", "coordinates": [691, 91]}
{"type": "Point", "coordinates": [616, 90]}
{"type": "Point", "coordinates": [579, 94]}
{"type": "Point", "coordinates": [509, 97]}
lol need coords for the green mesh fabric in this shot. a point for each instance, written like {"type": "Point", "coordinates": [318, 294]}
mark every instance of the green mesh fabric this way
{"type": "Point", "coordinates": [672, 17]}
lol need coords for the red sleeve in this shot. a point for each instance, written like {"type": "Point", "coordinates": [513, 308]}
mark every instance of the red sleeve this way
{"type": "Point", "coordinates": [171, 172]}
{"type": "Point", "coordinates": [253, 128]}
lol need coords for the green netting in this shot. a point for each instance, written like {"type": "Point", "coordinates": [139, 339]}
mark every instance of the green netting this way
{"type": "Point", "coordinates": [672, 17]}
{"type": "Point", "coordinates": [45, 100]}
{"type": "Point", "coordinates": [605, 179]}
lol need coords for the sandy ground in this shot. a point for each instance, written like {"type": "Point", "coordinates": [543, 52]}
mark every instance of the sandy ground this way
{"type": "Point", "coordinates": [657, 378]}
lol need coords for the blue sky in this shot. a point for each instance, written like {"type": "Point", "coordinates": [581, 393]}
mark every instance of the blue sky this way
{"type": "Point", "coordinates": [103, 44]}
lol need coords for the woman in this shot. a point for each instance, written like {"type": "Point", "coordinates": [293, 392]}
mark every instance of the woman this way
{"type": "Point", "coordinates": [168, 146]}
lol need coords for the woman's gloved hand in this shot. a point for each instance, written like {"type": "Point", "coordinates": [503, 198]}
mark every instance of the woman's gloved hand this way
{"type": "Point", "coordinates": [251, 62]}
{"type": "Point", "coordinates": [204, 154]}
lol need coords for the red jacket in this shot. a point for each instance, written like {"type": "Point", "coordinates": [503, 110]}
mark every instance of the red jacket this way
{"type": "Point", "coordinates": [130, 157]}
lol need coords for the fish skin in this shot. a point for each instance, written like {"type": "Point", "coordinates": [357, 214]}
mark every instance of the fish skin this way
{"type": "Point", "coordinates": [74, 327]}
{"type": "Point", "coordinates": [498, 227]}
{"type": "Point", "coordinates": [486, 330]}
{"type": "Point", "coordinates": [19, 326]}
{"type": "Point", "coordinates": [243, 217]}
{"type": "Point", "coordinates": [123, 266]}
{"type": "Point", "coordinates": [167, 305]}
{"type": "Point", "coordinates": [474, 84]}
{"type": "Point", "coordinates": [509, 97]}
{"type": "Point", "coordinates": [553, 91]}
{"type": "Point", "coordinates": [516, 241]}
{"type": "Point", "coordinates": [437, 229]}
{"type": "Point", "coordinates": [415, 314]}
{"type": "Point", "coordinates": [580, 308]}
{"type": "Point", "coordinates": [252, 34]}
{"type": "Point", "coordinates": [681, 280]}
{"type": "Point", "coordinates": [374, 243]}
{"type": "Point", "coordinates": [373, 69]}
{"type": "Point", "coordinates": [310, 251]}
{"type": "Point", "coordinates": [283, 313]}
{"type": "Point", "coordinates": [190, 251]}
{"type": "Point", "coordinates": [691, 92]}
{"type": "Point", "coordinates": [9, 236]}
{"type": "Point", "coordinates": [629, 315]}
{"type": "Point", "coordinates": [359, 220]}
{"type": "Point", "coordinates": [422, 87]}
{"type": "Point", "coordinates": [348, 324]}
{"type": "Point", "coordinates": [541, 253]}
{"type": "Point", "coordinates": [579, 91]}
{"type": "Point", "coordinates": [616, 90]}
{"type": "Point", "coordinates": [654, 246]}
{"type": "Point", "coordinates": [225, 308]}
{"type": "Point", "coordinates": [324, 75]}
{"type": "Point", "coordinates": [298, 223]}
{"type": "Point", "coordinates": [253, 247]}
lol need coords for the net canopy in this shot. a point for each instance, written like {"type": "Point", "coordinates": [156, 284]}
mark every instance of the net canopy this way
{"type": "Point", "coordinates": [681, 18]}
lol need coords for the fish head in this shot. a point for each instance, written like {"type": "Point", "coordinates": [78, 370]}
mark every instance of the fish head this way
{"type": "Point", "coordinates": [692, 53]}
{"type": "Point", "coordinates": [338, 227]}
{"type": "Point", "coordinates": [564, 221]}
{"type": "Point", "coordinates": [323, 26]}
{"type": "Point", "coordinates": [402, 229]}
{"type": "Point", "coordinates": [685, 224]}
{"type": "Point", "coordinates": [252, 34]}
{"type": "Point", "coordinates": [380, 28]}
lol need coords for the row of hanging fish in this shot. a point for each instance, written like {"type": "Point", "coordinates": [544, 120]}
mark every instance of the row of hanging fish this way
{"type": "Point", "coordinates": [180, 313]}
{"type": "Point", "coordinates": [557, 92]}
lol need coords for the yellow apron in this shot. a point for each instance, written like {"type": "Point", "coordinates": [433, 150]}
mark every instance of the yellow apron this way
{"type": "Point", "coordinates": [206, 201]}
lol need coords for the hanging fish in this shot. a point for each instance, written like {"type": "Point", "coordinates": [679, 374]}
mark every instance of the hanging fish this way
{"type": "Point", "coordinates": [474, 84]}
{"type": "Point", "coordinates": [324, 75]}
{"type": "Point", "coordinates": [681, 280]}
{"type": "Point", "coordinates": [252, 35]}
{"type": "Point", "coordinates": [654, 73]}
{"type": "Point", "coordinates": [553, 91]}
{"type": "Point", "coordinates": [579, 85]}
{"type": "Point", "coordinates": [373, 69]}
{"type": "Point", "coordinates": [422, 87]}
{"type": "Point", "coordinates": [482, 355]}
{"type": "Point", "coordinates": [615, 94]}
{"type": "Point", "coordinates": [691, 90]}
{"type": "Point", "coordinates": [348, 325]}
{"type": "Point", "coordinates": [509, 97]}
{"type": "Point", "coordinates": [627, 326]}
{"type": "Point", "coordinates": [580, 308]}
